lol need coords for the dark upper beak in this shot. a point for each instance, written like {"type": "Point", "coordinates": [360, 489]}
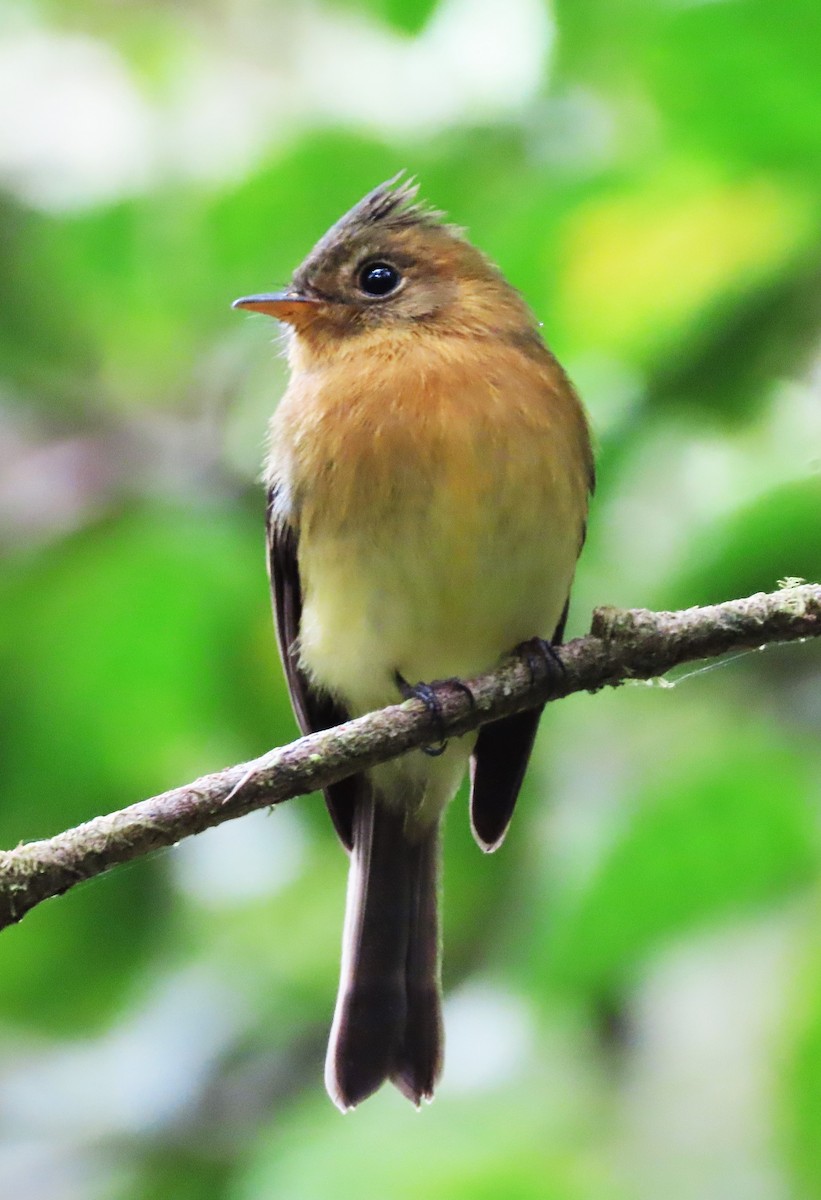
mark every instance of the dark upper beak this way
{"type": "Point", "coordinates": [285, 306]}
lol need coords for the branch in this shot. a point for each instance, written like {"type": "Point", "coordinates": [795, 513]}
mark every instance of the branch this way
{"type": "Point", "coordinates": [622, 644]}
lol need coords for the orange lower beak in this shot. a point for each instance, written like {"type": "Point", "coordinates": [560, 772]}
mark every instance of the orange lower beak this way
{"type": "Point", "coordinates": [285, 306]}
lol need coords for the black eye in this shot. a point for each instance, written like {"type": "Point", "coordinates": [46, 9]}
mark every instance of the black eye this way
{"type": "Point", "coordinates": [379, 279]}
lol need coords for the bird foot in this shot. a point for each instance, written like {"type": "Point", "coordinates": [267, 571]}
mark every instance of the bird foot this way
{"type": "Point", "coordinates": [543, 661]}
{"type": "Point", "coordinates": [426, 692]}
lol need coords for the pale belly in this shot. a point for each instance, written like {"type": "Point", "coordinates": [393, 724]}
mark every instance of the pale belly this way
{"type": "Point", "coordinates": [431, 598]}
{"type": "Point", "coordinates": [429, 608]}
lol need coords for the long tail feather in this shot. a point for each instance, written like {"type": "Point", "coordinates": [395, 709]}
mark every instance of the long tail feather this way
{"type": "Point", "coordinates": [387, 1022]}
{"type": "Point", "coordinates": [419, 1059]}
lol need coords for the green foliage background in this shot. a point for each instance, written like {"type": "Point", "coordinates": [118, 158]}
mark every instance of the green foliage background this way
{"type": "Point", "coordinates": [634, 981]}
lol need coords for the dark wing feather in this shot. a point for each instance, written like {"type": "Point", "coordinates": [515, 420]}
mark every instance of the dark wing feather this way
{"type": "Point", "coordinates": [314, 710]}
{"type": "Point", "coordinates": [498, 766]}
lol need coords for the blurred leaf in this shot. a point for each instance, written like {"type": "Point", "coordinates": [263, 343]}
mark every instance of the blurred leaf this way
{"type": "Point", "coordinates": [653, 269]}
{"type": "Point", "coordinates": [801, 1076]}
{"type": "Point", "coordinates": [745, 81]}
{"type": "Point", "coordinates": [769, 334]}
{"type": "Point", "coordinates": [457, 1151]}
{"type": "Point", "coordinates": [180, 1172]}
{"type": "Point", "coordinates": [43, 347]}
{"type": "Point", "coordinates": [775, 537]}
{"type": "Point", "coordinates": [126, 668]}
{"type": "Point", "coordinates": [721, 831]}
{"type": "Point", "coordinates": [406, 16]}
{"type": "Point", "coordinates": [126, 662]}
{"type": "Point", "coordinates": [732, 79]}
{"type": "Point", "coordinates": [76, 960]}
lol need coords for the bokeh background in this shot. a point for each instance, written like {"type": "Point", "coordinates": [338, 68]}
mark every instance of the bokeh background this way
{"type": "Point", "coordinates": [634, 981]}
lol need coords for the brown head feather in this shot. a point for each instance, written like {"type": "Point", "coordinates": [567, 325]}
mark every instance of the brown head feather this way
{"type": "Point", "coordinates": [440, 281]}
{"type": "Point", "coordinates": [392, 204]}
{"type": "Point", "coordinates": [389, 217]}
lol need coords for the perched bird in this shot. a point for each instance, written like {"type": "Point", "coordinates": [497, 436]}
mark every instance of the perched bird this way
{"type": "Point", "coordinates": [428, 471]}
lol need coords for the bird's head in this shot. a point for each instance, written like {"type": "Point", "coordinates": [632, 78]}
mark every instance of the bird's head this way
{"type": "Point", "coordinates": [390, 263]}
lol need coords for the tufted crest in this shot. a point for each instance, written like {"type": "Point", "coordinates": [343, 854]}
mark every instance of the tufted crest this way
{"type": "Point", "coordinates": [392, 204]}
{"type": "Point", "coordinates": [391, 208]}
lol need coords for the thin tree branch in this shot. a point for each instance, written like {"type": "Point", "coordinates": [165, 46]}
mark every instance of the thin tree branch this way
{"type": "Point", "coordinates": [622, 644]}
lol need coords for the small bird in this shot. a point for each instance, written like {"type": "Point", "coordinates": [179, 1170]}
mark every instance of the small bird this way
{"type": "Point", "coordinates": [428, 476]}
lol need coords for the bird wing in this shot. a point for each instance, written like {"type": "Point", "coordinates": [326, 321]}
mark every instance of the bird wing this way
{"type": "Point", "coordinates": [314, 710]}
{"type": "Point", "coordinates": [498, 765]}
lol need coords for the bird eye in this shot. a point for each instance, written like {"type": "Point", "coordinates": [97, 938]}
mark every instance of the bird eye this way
{"type": "Point", "coordinates": [379, 279]}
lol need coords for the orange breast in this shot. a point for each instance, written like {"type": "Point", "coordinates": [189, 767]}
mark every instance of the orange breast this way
{"type": "Point", "coordinates": [385, 424]}
{"type": "Point", "coordinates": [441, 490]}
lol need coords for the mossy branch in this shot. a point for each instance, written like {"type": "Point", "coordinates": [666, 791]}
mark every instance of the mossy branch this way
{"type": "Point", "coordinates": [622, 644]}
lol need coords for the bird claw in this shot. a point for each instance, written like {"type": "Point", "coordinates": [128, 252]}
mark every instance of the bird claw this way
{"type": "Point", "coordinates": [543, 660]}
{"type": "Point", "coordinates": [426, 692]}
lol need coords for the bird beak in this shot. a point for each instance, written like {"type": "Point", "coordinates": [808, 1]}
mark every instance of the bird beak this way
{"type": "Point", "coordinates": [290, 307]}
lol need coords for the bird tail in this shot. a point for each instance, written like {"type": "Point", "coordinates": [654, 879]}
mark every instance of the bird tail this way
{"type": "Point", "coordinates": [388, 1021]}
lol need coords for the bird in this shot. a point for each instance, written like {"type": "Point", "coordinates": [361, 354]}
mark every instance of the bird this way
{"type": "Point", "coordinates": [428, 473]}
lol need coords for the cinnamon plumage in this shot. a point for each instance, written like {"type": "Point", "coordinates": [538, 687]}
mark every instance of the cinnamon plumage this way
{"type": "Point", "coordinates": [429, 472]}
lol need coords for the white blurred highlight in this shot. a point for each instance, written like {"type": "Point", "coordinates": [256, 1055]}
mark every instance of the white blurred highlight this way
{"type": "Point", "coordinates": [73, 128]}
{"type": "Point", "coordinates": [490, 1038]}
{"type": "Point", "coordinates": [143, 1074]}
{"type": "Point", "coordinates": [245, 860]}
{"type": "Point", "coordinates": [702, 1074]}
{"type": "Point", "coordinates": [77, 128]}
